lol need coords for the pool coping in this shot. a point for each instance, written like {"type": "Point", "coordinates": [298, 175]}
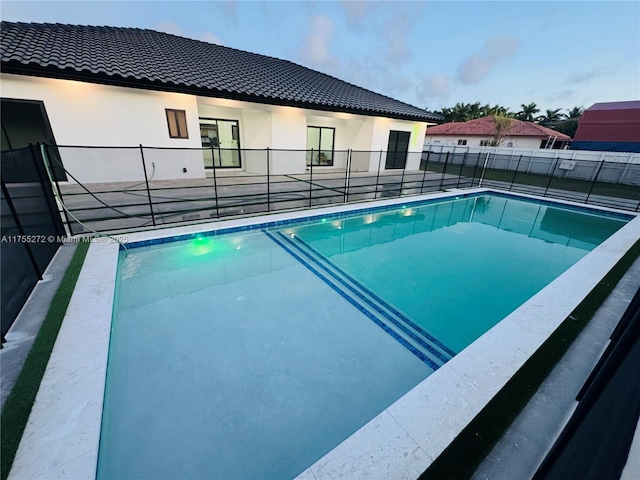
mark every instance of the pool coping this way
{"type": "Point", "coordinates": [62, 435]}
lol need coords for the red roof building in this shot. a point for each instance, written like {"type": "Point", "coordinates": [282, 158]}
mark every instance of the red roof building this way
{"type": "Point", "coordinates": [480, 132]}
{"type": "Point", "coordinates": [609, 127]}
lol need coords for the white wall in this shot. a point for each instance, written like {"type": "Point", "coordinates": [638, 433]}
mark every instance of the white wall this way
{"type": "Point", "coordinates": [380, 141]}
{"type": "Point", "coordinates": [474, 141]}
{"type": "Point", "coordinates": [618, 167]}
{"type": "Point", "coordinates": [99, 115]}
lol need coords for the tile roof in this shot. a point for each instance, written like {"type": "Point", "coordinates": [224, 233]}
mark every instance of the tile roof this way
{"type": "Point", "coordinates": [485, 127]}
{"type": "Point", "coordinates": [154, 60]}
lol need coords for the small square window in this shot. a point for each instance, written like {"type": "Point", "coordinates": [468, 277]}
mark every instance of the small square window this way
{"type": "Point", "coordinates": [462, 142]}
{"type": "Point", "coordinates": [177, 122]}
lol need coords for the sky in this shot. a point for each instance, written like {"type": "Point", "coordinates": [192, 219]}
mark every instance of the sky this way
{"type": "Point", "coordinates": [431, 54]}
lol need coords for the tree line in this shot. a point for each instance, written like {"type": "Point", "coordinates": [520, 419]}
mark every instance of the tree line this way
{"type": "Point", "coordinates": [556, 119]}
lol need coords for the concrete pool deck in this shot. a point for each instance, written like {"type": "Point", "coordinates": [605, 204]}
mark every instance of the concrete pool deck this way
{"type": "Point", "coordinates": [62, 435]}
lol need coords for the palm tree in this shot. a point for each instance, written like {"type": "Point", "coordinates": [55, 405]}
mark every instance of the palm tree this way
{"type": "Point", "coordinates": [528, 112]}
{"type": "Point", "coordinates": [496, 111]}
{"type": "Point", "coordinates": [550, 117]}
{"type": "Point", "coordinates": [575, 112]}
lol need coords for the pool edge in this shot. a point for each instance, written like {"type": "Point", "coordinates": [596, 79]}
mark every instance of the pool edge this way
{"type": "Point", "coordinates": [65, 443]}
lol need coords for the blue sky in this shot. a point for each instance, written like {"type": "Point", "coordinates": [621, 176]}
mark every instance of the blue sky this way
{"type": "Point", "coordinates": [429, 53]}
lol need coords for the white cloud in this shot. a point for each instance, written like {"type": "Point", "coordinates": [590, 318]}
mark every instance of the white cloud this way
{"type": "Point", "coordinates": [435, 86]}
{"type": "Point", "coordinates": [315, 49]}
{"type": "Point", "coordinates": [210, 38]}
{"type": "Point", "coordinates": [168, 26]}
{"type": "Point", "coordinates": [585, 77]}
{"type": "Point", "coordinates": [395, 31]}
{"type": "Point", "coordinates": [355, 11]}
{"type": "Point", "coordinates": [495, 50]}
{"type": "Point", "coordinates": [561, 96]}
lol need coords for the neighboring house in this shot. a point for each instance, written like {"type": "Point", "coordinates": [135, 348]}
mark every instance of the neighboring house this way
{"type": "Point", "coordinates": [480, 132]}
{"type": "Point", "coordinates": [609, 127]}
{"type": "Point", "coordinates": [106, 86]}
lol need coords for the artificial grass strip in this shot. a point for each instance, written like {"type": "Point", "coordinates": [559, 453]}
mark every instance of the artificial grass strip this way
{"type": "Point", "coordinates": [463, 456]}
{"type": "Point", "coordinates": [17, 406]}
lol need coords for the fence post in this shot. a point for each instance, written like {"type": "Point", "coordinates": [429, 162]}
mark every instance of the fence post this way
{"type": "Point", "coordinates": [47, 189]}
{"type": "Point", "coordinates": [444, 170]}
{"type": "Point", "coordinates": [515, 173]}
{"type": "Point", "coordinates": [268, 182]}
{"type": "Point", "coordinates": [311, 178]}
{"type": "Point", "coordinates": [215, 181]}
{"type": "Point", "coordinates": [533, 154]}
{"type": "Point", "coordinates": [21, 231]}
{"type": "Point", "coordinates": [626, 167]}
{"type": "Point", "coordinates": [550, 177]}
{"type": "Point", "coordinates": [464, 159]}
{"type": "Point", "coordinates": [146, 181]}
{"type": "Point", "coordinates": [425, 170]}
{"type": "Point", "coordinates": [347, 175]}
{"type": "Point", "coordinates": [404, 169]}
{"type": "Point", "coordinates": [484, 168]}
{"type": "Point", "coordinates": [475, 168]}
{"type": "Point", "coordinates": [593, 183]}
{"type": "Point", "coordinates": [375, 196]}
{"type": "Point", "coordinates": [55, 180]}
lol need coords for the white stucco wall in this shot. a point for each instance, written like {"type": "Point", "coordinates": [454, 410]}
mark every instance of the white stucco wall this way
{"type": "Point", "coordinates": [474, 141]}
{"type": "Point", "coordinates": [98, 115]}
{"type": "Point", "coordinates": [380, 141]}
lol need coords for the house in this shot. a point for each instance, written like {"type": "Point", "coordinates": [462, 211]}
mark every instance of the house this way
{"type": "Point", "coordinates": [197, 103]}
{"type": "Point", "coordinates": [609, 127]}
{"type": "Point", "coordinates": [480, 132]}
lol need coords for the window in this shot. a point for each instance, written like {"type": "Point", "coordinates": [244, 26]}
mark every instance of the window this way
{"type": "Point", "coordinates": [221, 142]}
{"type": "Point", "coordinates": [320, 145]}
{"type": "Point", "coordinates": [462, 142]}
{"type": "Point", "coordinates": [177, 121]}
{"type": "Point", "coordinates": [486, 143]}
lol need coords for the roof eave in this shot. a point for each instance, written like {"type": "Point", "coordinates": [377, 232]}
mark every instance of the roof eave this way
{"type": "Point", "coordinates": [18, 68]}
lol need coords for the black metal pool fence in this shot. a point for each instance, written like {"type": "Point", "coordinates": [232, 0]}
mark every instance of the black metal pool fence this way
{"type": "Point", "coordinates": [31, 228]}
{"type": "Point", "coordinates": [115, 189]}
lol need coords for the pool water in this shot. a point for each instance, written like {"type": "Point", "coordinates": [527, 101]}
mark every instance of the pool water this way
{"type": "Point", "coordinates": [252, 354]}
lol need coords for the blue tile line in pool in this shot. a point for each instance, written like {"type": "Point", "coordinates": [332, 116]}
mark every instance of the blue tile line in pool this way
{"type": "Point", "coordinates": [421, 348]}
{"type": "Point", "coordinates": [366, 297]}
{"type": "Point", "coordinates": [388, 306]}
{"type": "Point", "coordinates": [366, 211]}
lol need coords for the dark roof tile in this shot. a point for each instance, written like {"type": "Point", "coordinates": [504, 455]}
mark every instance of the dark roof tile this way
{"type": "Point", "coordinates": [146, 57]}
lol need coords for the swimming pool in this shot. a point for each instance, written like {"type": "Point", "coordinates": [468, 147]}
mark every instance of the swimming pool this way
{"type": "Point", "coordinates": [253, 353]}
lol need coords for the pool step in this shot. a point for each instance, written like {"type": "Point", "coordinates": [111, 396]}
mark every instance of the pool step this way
{"type": "Point", "coordinates": [423, 345]}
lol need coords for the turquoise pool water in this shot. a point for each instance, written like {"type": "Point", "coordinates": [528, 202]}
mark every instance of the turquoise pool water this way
{"type": "Point", "coordinates": [252, 354]}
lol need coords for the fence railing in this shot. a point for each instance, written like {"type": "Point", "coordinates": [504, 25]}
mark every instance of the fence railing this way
{"type": "Point", "coordinates": [607, 181]}
{"type": "Point", "coordinates": [109, 189]}
{"type": "Point", "coordinates": [621, 167]}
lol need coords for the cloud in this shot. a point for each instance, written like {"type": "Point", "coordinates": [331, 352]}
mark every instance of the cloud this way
{"type": "Point", "coordinates": [355, 12]}
{"type": "Point", "coordinates": [495, 50]}
{"type": "Point", "coordinates": [584, 77]}
{"type": "Point", "coordinates": [168, 26]}
{"type": "Point", "coordinates": [315, 49]}
{"type": "Point", "coordinates": [210, 38]}
{"type": "Point", "coordinates": [435, 86]}
{"type": "Point", "coordinates": [560, 96]}
{"type": "Point", "coordinates": [395, 31]}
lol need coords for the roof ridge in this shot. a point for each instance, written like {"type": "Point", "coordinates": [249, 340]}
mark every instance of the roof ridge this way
{"type": "Point", "coordinates": [240, 73]}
